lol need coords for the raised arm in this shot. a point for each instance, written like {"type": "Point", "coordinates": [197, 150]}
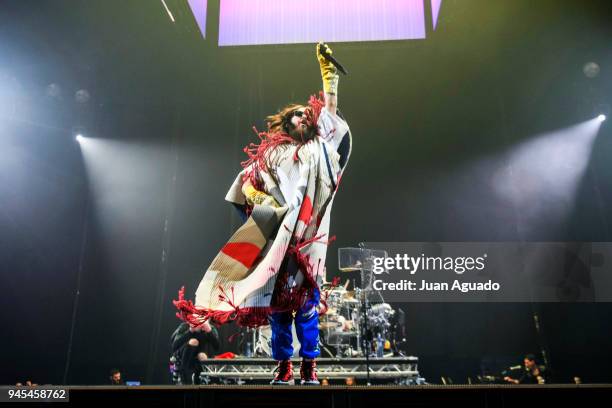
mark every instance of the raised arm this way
{"type": "Point", "coordinates": [329, 75]}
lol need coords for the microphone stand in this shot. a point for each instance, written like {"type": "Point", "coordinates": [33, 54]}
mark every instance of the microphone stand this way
{"type": "Point", "coordinates": [366, 335]}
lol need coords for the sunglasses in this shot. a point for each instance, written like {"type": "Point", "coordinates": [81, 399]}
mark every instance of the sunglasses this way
{"type": "Point", "coordinates": [297, 113]}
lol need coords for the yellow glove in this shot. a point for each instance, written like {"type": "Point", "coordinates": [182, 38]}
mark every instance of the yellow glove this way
{"type": "Point", "coordinates": [254, 196]}
{"type": "Point", "coordinates": [329, 73]}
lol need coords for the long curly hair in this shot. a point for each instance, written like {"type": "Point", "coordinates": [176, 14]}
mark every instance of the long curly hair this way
{"type": "Point", "coordinates": [280, 134]}
{"type": "Point", "coordinates": [280, 122]}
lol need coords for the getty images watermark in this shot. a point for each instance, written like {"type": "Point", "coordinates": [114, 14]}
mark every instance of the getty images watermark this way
{"type": "Point", "coordinates": [411, 265]}
{"type": "Point", "coordinates": [484, 271]}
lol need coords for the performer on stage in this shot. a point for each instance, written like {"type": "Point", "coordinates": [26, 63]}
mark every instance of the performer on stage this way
{"type": "Point", "coordinates": [270, 270]}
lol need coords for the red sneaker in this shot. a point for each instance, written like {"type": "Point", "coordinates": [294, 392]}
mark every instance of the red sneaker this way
{"type": "Point", "coordinates": [308, 372]}
{"type": "Point", "coordinates": [284, 373]}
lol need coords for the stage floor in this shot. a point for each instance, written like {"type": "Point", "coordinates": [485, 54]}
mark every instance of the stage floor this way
{"type": "Point", "coordinates": [338, 396]}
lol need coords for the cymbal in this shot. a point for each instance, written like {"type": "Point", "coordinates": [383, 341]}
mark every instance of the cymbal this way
{"type": "Point", "coordinates": [329, 325]}
{"type": "Point", "coordinates": [350, 269]}
{"type": "Point", "coordinates": [328, 286]}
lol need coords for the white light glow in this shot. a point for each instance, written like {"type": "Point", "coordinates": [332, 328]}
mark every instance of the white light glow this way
{"type": "Point", "coordinates": [168, 11]}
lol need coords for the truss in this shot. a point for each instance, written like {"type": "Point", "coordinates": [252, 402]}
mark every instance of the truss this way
{"type": "Point", "coordinates": [401, 370]}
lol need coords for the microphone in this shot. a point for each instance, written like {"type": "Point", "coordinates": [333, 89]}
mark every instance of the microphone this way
{"type": "Point", "coordinates": [323, 51]}
{"type": "Point", "coordinates": [510, 369]}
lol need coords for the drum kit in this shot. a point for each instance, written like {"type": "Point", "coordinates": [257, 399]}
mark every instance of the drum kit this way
{"type": "Point", "coordinates": [350, 320]}
{"type": "Point", "coordinates": [358, 323]}
{"type": "Point", "coordinates": [344, 327]}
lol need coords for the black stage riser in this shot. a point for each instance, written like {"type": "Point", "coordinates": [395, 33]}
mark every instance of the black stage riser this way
{"type": "Point", "coordinates": [337, 396]}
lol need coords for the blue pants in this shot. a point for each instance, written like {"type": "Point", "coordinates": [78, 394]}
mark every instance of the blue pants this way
{"type": "Point", "coordinates": [306, 328]}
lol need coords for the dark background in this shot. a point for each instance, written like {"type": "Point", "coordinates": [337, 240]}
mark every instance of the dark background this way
{"type": "Point", "coordinates": [173, 112]}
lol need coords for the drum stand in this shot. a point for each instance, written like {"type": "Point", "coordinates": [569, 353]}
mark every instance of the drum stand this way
{"type": "Point", "coordinates": [366, 335]}
{"type": "Point", "coordinates": [353, 259]}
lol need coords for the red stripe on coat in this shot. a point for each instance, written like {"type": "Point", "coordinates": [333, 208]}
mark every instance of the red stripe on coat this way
{"type": "Point", "coordinates": [243, 252]}
{"type": "Point", "coordinates": [305, 211]}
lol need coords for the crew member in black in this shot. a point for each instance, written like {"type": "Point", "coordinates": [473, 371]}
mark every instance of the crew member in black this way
{"type": "Point", "coordinates": [190, 347]}
{"type": "Point", "coordinates": [531, 374]}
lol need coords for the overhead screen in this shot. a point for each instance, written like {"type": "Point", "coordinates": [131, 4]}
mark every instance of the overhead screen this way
{"type": "Point", "coordinates": [258, 22]}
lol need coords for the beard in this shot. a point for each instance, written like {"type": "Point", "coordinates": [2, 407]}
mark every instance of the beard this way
{"type": "Point", "coordinates": [304, 133]}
